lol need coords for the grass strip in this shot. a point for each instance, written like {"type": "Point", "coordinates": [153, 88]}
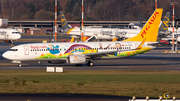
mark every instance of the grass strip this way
{"type": "Point", "coordinates": [105, 82]}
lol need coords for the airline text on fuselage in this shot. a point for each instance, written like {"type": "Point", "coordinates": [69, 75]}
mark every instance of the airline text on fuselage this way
{"type": "Point", "coordinates": [3, 32]}
{"type": "Point", "coordinates": [116, 32]}
{"type": "Point", "coordinates": [38, 47]}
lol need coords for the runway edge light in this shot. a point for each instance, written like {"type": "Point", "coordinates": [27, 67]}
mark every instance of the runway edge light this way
{"type": "Point", "coordinates": [174, 98]}
{"type": "Point", "coordinates": [133, 98]}
{"type": "Point", "coordinates": [160, 98]}
{"type": "Point", "coordinates": [147, 97]}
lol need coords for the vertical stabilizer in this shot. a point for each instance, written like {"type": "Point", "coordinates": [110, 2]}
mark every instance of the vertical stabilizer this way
{"type": "Point", "coordinates": [150, 29]}
{"type": "Point", "coordinates": [165, 23]}
{"type": "Point", "coordinates": [64, 21]}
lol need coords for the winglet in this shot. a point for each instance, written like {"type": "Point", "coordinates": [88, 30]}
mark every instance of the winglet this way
{"type": "Point", "coordinates": [115, 39]}
{"type": "Point", "coordinates": [150, 29]}
{"type": "Point", "coordinates": [141, 45]}
{"type": "Point", "coordinates": [85, 38]}
{"type": "Point", "coordinates": [72, 39]}
{"type": "Point", "coordinates": [43, 29]}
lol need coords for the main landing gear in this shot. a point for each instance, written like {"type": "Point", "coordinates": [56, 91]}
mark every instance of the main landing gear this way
{"type": "Point", "coordinates": [12, 43]}
{"type": "Point", "coordinates": [90, 63]}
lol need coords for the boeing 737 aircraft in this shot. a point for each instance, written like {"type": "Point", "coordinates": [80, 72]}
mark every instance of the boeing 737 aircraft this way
{"type": "Point", "coordinates": [8, 35]}
{"type": "Point", "coordinates": [109, 33]}
{"type": "Point", "coordinates": [86, 52]}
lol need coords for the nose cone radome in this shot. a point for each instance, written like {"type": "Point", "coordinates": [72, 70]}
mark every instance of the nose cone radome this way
{"type": "Point", "coordinates": [18, 36]}
{"type": "Point", "coordinates": [5, 55]}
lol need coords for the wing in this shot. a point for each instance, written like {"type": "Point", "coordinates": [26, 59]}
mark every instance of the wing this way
{"type": "Point", "coordinates": [104, 53]}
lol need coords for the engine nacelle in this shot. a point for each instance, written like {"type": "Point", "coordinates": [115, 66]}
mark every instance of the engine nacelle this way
{"type": "Point", "coordinates": [61, 30]}
{"type": "Point", "coordinates": [7, 41]}
{"type": "Point", "coordinates": [57, 62]}
{"type": "Point", "coordinates": [76, 59]}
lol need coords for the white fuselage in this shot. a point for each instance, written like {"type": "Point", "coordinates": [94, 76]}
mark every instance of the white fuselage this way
{"type": "Point", "coordinates": [52, 51]}
{"type": "Point", "coordinates": [105, 33]}
{"type": "Point", "coordinates": [176, 35]}
{"type": "Point", "coordinates": [171, 29]}
{"type": "Point", "coordinates": [9, 34]}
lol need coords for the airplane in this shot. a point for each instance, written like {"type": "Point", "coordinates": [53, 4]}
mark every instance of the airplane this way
{"type": "Point", "coordinates": [79, 53]}
{"type": "Point", "coordinates": [108, 33]}
{"type": "Point", "coordinates": [8, 35]}
{"type": "Point", "coordinates": [168, 38]}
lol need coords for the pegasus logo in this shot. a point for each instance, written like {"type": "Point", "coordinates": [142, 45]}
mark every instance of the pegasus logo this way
{"type": "Point", "coordinates": [63, 20]}
{"type": "Point", "coordinates": [148, 26]}
{"type": "Point", "coordinates": [76, 58]}
{"type": "Point", "coordinates": [165, 23]}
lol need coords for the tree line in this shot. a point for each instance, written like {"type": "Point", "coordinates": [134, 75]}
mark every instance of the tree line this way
{"type": "Point", "coordinates": [94, 10]}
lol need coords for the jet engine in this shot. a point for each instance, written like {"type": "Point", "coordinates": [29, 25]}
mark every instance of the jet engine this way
{"type": "Point", "coordinates": [7, 41]}
{"type": "Point", "coordinates": [76, 59]}
{"type": "Point", "coordinates": [61, 30]}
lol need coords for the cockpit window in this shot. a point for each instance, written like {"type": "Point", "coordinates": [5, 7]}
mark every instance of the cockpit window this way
{"type": "Point", "coordinates": [15, 33]}
{"type": "Point", "coordinates": [13, 50]}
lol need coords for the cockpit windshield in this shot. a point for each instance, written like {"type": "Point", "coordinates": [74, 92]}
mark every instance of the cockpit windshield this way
{"type": "Point", "coordinates": [15, 32]}
{"type": "Point", "coordinates": [13, 50]}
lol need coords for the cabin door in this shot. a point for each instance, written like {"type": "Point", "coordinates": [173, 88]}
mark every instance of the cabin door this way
{"type": "Point", "coordinates": [26, 50]}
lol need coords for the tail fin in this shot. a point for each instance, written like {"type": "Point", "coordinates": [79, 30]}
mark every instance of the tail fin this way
{"type": "Point", "coordinates": [150, 29]}
{"type": "Point", "coordinates": [64, 21]}
{"type": "Point", "coordinates": [165, 22]}
{"type": "Point", "coordinates": [141, 45]}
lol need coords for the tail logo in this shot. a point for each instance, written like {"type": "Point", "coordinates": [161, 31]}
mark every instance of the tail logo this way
{"type": "Point", "coordinates": [148, 26]}
{"type": "Point", "coordinates": [63, 20]}
{"type": "Point", "coordinates": [165, 23]}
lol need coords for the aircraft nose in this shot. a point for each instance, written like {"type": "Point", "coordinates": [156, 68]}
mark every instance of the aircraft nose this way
{"type": "Point", "coordinates": [5, 55]}
{"type": "Point", "coordinates": [19, 36]}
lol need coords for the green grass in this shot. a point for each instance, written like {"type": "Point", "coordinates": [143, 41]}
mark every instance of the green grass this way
{"type": "Point", "coordinates": [106, 82]}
